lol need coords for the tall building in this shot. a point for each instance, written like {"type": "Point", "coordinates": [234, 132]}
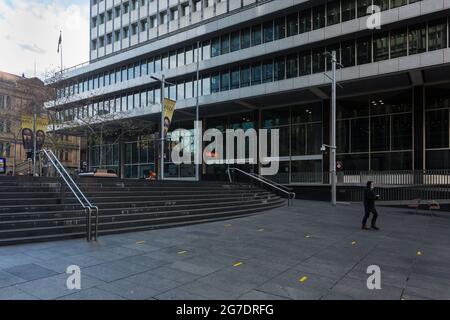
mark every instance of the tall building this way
{"type": "Point", "coordinates": [262, 64]}
{"type": "Point", "coordinates": [18, 98]}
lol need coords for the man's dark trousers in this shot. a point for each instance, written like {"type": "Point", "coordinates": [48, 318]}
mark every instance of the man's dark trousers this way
{"type": "Point", "coordinates": [374, 212]}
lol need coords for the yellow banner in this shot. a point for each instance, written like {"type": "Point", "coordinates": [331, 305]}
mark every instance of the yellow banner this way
{"type": "Point", "coordinates": [169, 108]}
{"type": "Point", "coordinates": [41, 123]}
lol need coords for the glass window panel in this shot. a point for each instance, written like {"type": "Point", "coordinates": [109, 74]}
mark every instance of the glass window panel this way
{"type": "Point", "coordinates": [381, 47]}
{"type": "Point", "coordinates": [352, 107]}
{"type": "Point", "coordinates": [348, 10]}
{"type": "Point", "coordinates": [225, 44]}
{"type": "Point", "coordinates": [256, 74]}
{"type": "Point", "coordinates": [417, 39]}
{"type": "Point", "coordinates": [319, 17]}
{"type": "Point", "coordinates": [267, 71]}
{"type": "Point", "coordinates": [305, 21]}
{"type": "Point", "coordinates": [279, 69]}
{"type": "Point", "coordinates": [235, 78]}
{"type": "Point", "coordinates": [292, 24]}
{"type": "Point", "coordinates": [206, 50]}
{"type": "Point", "coordinates": [235, 41]}
{"type": "Point", "coordinates": [318, 60]}
{"type": "Point", "coordinates": [362, 6]}
{"type": "Point", "coordinates": [245, 38]}
{"type": "Point", "coordinates": [333, 13]}
{"type": "Point", "coordinates": [180, 58]}
{"type": "Point", "coordinates": [305, 63]}
{"type": "Point", "coordinates": [291, 66]}
{"type": "Point", "coordinates": [354, 162]}
{"type": "Point", "coordinates": [360, 135]}
{"type": "Point", "coordinates": [343, 136]}
{"type": "Point", "coordinates": [438, 159]}
{"type": "Point", "coordinates": [364, 50]}
{"type": "Point", "coordinates": [268, 31]}
{"type": "Point", "coordinates": [298, 143]}
{"type": "Point", "coordinates": [313, 138]}
{"type": "Point", "coordinates": [245, 76]}
{"type": "Point", "coordinates": [437, 35]}
{"type": "Point", "coordinates": [256, 35]}
{"type": "Point", "coordinates": [225, 81]}
{"type": "Point", "coordinates": [280, 28]}
{"type": "Point", "coordinates": [402, 135]}
{"type": "Point", "coordinates": [215, 82]}
{"type": "Point", "coordinates": [348, 54]}
{"type": "Point", "coordinates": [437, 129]}
{"type": "Point", "coordinates": [399, 43]}
{"type": "Point", "coordinates": [215, 47]}
{"type": "Point", "coordinates": [380, 133]}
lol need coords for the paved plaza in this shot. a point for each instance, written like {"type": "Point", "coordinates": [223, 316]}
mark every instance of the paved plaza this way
{"type": "Point", "coordinates": [307, 251]}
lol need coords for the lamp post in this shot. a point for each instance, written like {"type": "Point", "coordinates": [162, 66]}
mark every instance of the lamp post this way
{"type": "Point", "coordinates": [34, 139]}
{"type": "Point", "coordinates": [163, 85]}
{"type": "Point", "coordinates": [332, 147]}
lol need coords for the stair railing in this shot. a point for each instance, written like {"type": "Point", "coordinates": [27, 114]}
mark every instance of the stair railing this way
{"type": "Point", "coordinates": [290, 195]}
{"type": "Point", "coordinates": [92, 211]}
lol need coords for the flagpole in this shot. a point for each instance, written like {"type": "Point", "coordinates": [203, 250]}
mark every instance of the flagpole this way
{"type": "Point", "coordinates": [61, 50]}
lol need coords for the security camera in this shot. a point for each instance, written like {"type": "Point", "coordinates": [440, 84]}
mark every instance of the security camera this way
{"type": "Point", "coordinates": [323, 148]}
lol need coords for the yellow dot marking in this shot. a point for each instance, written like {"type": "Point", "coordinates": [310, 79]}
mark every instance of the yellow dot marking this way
{"type": "Point", "coordinates": [307, 236]}
{"type": "Point", "coordinates": [419, 253]}
{"type": "Point", "coordinates": [303, 279]}
{"type": "Point", "coordinates": [227, 225]}
{"type": "Point", "coordinates": [353, 242]}
{"type": "Point", "coordinates": [260, 230]}
{"type": "Point", "coordinates": [237, 264]}
{"type": "Point", "coordinates": [140, 242]}
{"type": "Point", "coordinates": [182, 252]}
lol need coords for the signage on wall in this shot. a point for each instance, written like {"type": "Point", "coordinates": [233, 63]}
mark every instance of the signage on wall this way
{"type": "Point", "coordinates": [2, 165]}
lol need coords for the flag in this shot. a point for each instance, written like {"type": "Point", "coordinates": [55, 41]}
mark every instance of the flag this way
{"type": "Point", "coordinates": [59, 41]}
{"type": "Point", "coordinates": [169, 108]}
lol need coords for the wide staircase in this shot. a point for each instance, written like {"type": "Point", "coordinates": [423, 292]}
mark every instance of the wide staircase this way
{"type": "Point", "coordinates": [39, 209]}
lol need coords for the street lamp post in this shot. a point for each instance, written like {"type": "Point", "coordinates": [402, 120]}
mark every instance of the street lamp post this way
{"type": "Point", "coordinates": [333, 179]}
{"type": "Point", "coordinates": [163, 85]}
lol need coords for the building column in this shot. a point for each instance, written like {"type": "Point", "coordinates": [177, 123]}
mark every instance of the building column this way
{"type": "Point", "coordinates": [419, 125]}
{"type": "Point", "coordinates": [121, 157]}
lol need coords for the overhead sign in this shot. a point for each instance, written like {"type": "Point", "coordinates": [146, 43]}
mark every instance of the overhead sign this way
{"type": "Point", "coordinates": [2, 165]}
{"type": "Point", "coordinates": [169, 108]}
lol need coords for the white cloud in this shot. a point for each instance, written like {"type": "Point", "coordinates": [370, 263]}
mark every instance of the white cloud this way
{"type": "Point", "coordinates": [29, 32]}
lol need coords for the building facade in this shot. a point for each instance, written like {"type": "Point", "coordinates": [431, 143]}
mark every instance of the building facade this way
{"type": "Point", "coordinates": [17, 96]}
{"type": "Point", "coordinates": [262, 64]}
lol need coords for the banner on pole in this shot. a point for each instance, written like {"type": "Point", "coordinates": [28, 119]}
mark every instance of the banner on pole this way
{"type": "Point", "coordinates": [169, 108]}
{"type": "Point", "coordinates": [41, 123]}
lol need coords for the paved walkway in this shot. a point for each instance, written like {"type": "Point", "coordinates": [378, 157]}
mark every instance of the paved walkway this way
{"type": "Point", "coordinates": [308, 251]}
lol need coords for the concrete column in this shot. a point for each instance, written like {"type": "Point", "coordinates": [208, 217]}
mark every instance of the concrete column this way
{"type": "Point", "coordinates": [419, 127]}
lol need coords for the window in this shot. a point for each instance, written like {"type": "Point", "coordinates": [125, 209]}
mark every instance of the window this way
{"type": "Point", "coordinates": [437, 129]}
{"type": "Point", "coordinates": [417, 39]}
{"type": "Point", "coordinates": [267, 71]}
{"type": "Point", "coordinates": [245, 76]}
{"type": "Point", "coordinates": [398, 44]}
{"type": "Point", "coordinates": [256, 74]}
{"type": "Point", "coordinates": [348, 58]}
{"type": "Point", "coordinates": [215, 47]}
{"type": "Point", "coordinates": [348, 10]}
{"type": "Point", "coordinates": [206, 50]}
{"type": "Point", "coordinates": [268, 31]}
{"type": "Point", "coordinates": [180, 58]}
{"type": "Point", "coordinates": [305, 63]}
{"type": "Point", "coordinates": [280, 28]}
{"type": "Point", "coordinates": [333, 13]}
{"type": "Point", "coordinates": [291, 66]}
{"type": "Point", "coordinates": [256, 35]}
{"type": "Point", "coordinates": [318, 60]}
{"type": "Point", "coordinates": [225, 44]}
{"type": "Point", "coordinates": [364, 50]}
{"type": "Point", "coordinates": [279, 69]}
{"type": "Point", "coordinates": [245, 38]}
{"type": "Point", "coordinates": [305, 21]}
{"type": "Point", "coordinates": [224, 81]}
{"type": "Point", "coordinates": [437, 35]}
{"type": "Point", "coordinates": [215, 82]}
{"type": "Point", "coordinates": [234, 78]}
{"type": "Point", "coordinates": [292, 25]}
{"type": "Point", "coordinates": [362, 7]}
{"type": "Point", "coordinates": [318, 17]}
{"type": "Point", "coordinates": [381, 47]}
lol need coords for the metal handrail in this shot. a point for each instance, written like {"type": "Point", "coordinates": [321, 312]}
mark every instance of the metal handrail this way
{"type": "Point", "coordinates": [272, 182]}
{"type": "Point", "coordinates": [291, 195]}
{"type": "Point", "coordinates": [87, 205]}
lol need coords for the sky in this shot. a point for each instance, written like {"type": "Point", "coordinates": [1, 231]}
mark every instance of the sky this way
{"type": "Point", "coordinates": [29, 33]}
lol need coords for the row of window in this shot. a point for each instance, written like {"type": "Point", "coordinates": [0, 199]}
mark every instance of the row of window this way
{"type": "Point", "coordinates": [5, 149]}
{"type": "Point", "coordinates": [379, 47]}
{"type": "Point", "coordinates": [148, 23]}
{"type": "Point", "coordinates": [5, 102]}
{"type": "Point", "coordinates": [290, 25]}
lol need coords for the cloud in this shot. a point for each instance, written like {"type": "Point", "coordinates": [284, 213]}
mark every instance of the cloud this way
{"type": "Point", "coordinates": [30, 32]}
{"type": "Point", "coordinates": [32, 48]}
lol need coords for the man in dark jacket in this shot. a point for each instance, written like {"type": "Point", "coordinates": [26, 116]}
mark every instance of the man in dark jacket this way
{"type": "Point", "coordinates": [369, 206]}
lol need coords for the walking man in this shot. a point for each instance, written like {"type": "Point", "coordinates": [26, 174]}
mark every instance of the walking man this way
{"type": "Point", "coordinates": [369, 206]}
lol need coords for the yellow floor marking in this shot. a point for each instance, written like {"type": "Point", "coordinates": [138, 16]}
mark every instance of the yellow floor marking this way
{"type": "Point", "coordinates": [237, 264]}
{"type": "Point", "coordinates": [353, 242]}
{"type": "Point", "coordinates": [303, 279]}
{"type": "Point", "coordinates": [260, 230]}
{"type": "Point", "coordinates": [182, 252]}
{"type": "Point", "coordinates": [140, 242]}
{"type": "Point", "coordinates": [419, 253]}
{"type": "Point", "coordinates": [307, 236]}
{"type": "Point", "coordinates": [227, 225]}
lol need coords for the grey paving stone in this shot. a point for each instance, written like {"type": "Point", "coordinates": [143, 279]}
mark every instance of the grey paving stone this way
{"type": "Point", "coordinates": [30, 271]}
{"type": "Point", "coordinates": [56, 286]}
{"type": "Point", "coordinates": [149, 279]}
{"type": "Point", "coordinates": [129, 290]}
{"type": "Point", "coordinates": [179, 294]}
{"type": "Point", "coordinates": [7, 279]}
{"type": "Point", "coordinates": [175, 274]}
{"type": "Point", "coordinates": [357, 289]}
{"type": "Point", "coordinates": [13, 293]}
{"type": "Point", "coordinates": [259, 295]}
{"type": "Point", "coordinates": [92, 294]}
